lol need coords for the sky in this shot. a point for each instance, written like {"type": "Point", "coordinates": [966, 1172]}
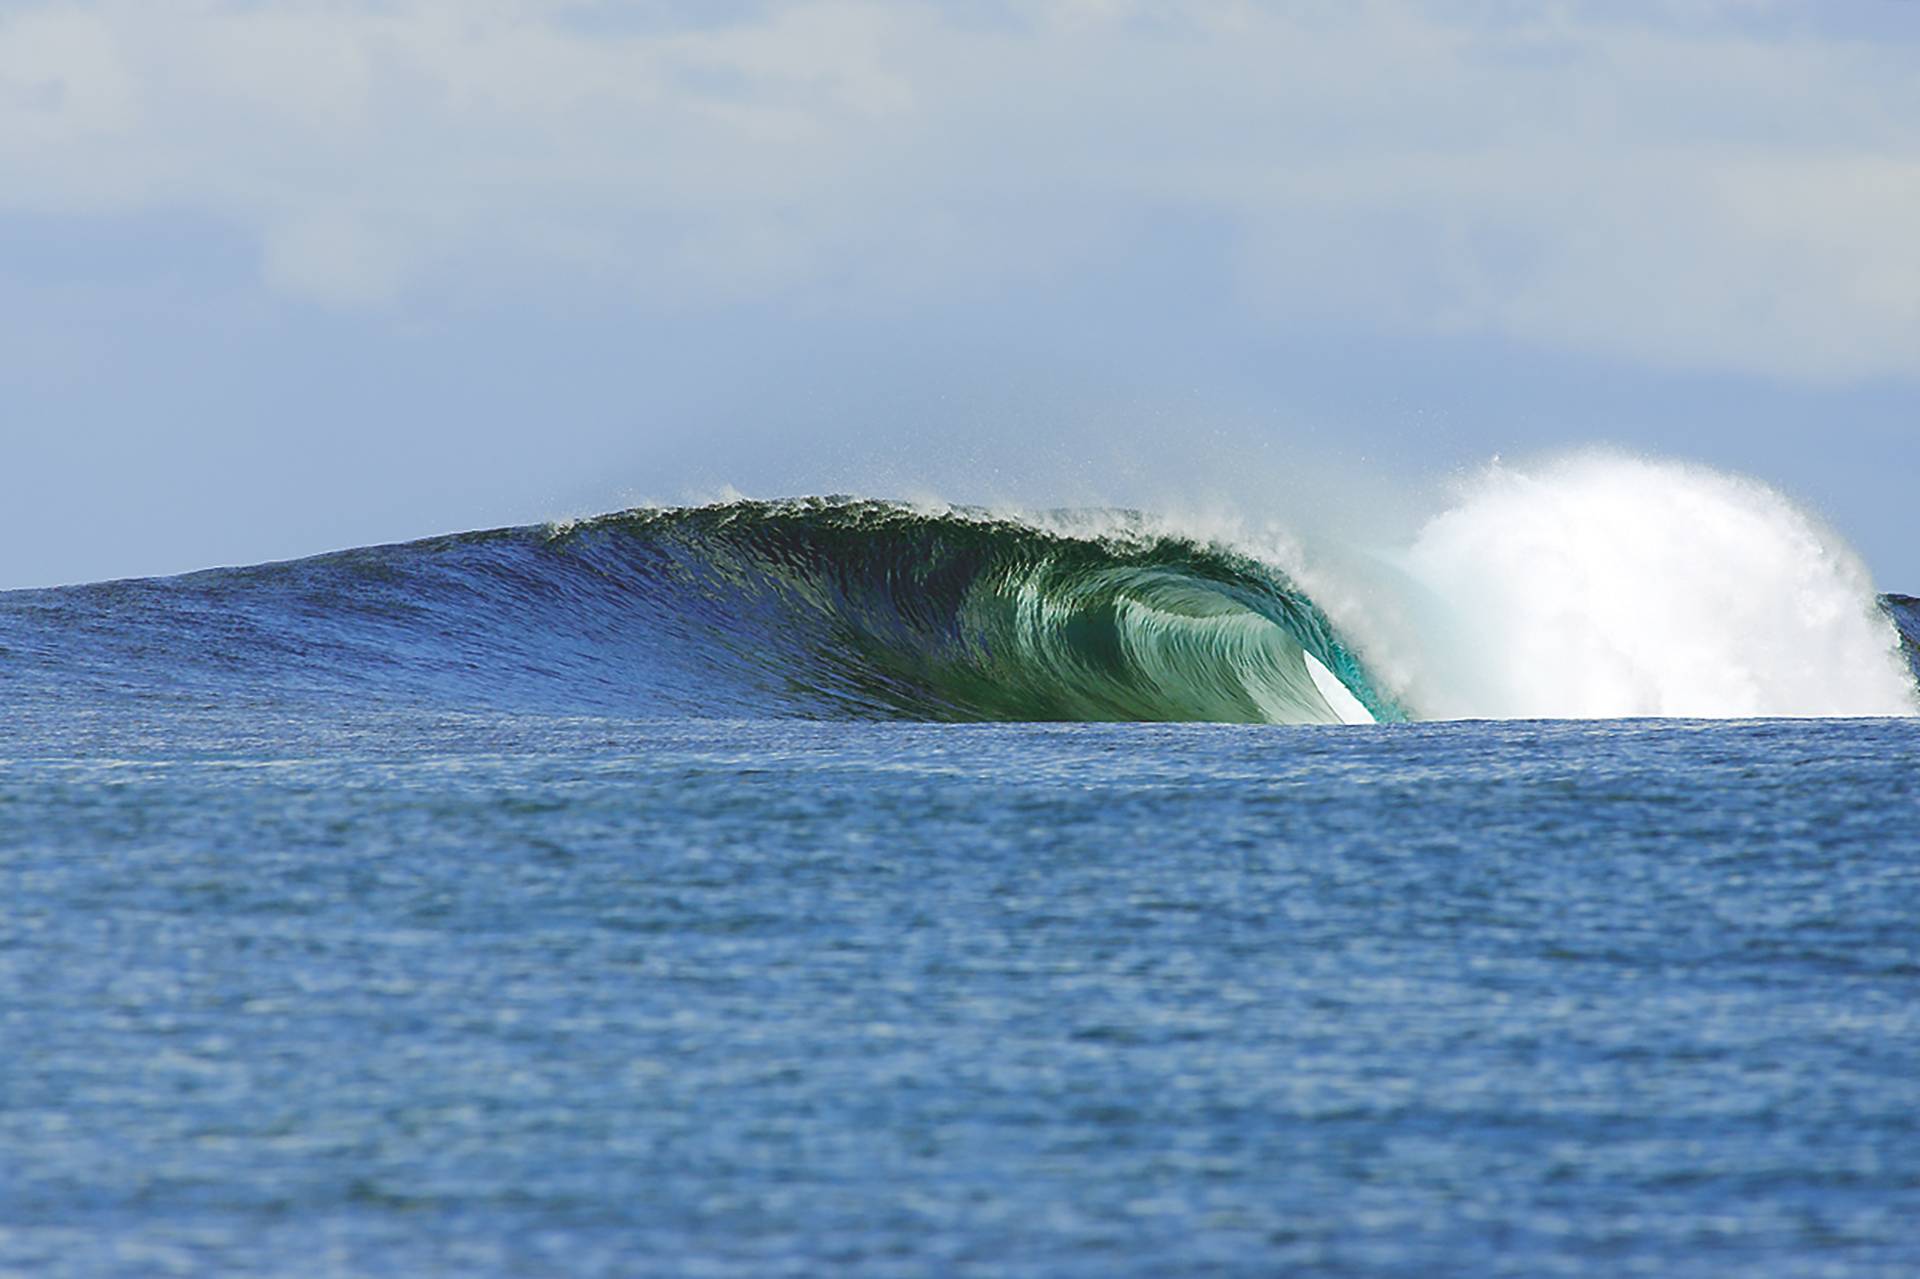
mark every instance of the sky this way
{"type": "Point", "coordinates": [278, 278]}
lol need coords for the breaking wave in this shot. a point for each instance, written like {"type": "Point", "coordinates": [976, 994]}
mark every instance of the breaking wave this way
{"type": "Point", "coordinates": [1599, 586]}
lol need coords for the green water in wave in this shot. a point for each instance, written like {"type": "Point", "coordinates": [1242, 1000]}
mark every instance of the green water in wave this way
{"type": "Point", "coordinates": [962, 615]}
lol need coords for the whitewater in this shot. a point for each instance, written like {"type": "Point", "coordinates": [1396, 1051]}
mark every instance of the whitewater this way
{"type": "Point", "coordinates": [1602, 586]}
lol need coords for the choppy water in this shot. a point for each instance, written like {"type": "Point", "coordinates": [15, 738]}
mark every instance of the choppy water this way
{"type": "Point", "coordinates": [393, 993]}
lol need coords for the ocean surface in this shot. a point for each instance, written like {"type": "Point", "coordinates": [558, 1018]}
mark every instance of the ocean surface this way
{"type": "Point", "coordinates": [781, 889]}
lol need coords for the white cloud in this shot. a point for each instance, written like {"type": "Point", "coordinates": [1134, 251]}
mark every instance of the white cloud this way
{"type": "Point", "coordinates": [1669, 188]}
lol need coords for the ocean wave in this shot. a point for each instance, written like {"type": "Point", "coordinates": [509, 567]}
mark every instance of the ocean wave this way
{"type": "Point", "coordinates": [1602, 587]}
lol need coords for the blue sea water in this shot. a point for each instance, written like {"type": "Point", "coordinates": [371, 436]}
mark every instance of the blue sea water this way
{"type": "Point", "coordinates": [409, 913]}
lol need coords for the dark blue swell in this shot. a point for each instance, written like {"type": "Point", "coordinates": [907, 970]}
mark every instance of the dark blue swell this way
{"type": "Point", "coordinates": [1905, 612]}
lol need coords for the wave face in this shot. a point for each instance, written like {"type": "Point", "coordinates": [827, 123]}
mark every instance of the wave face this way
{"type": "Point", "coordinates": [813, 608]}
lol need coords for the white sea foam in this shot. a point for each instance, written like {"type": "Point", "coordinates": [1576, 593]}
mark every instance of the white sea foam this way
{"type": "Point", "coordinates": [1606, 585]}
{"type": "Point", "coordinates": [1343, 703]}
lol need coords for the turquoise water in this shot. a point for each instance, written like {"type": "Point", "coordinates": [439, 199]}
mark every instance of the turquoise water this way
{"type": "Point", "coordinates": [355, 927]}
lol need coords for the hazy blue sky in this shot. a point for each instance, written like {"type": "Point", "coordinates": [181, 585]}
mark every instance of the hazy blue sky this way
{"type": "Point", "coordinates": [282, 277]}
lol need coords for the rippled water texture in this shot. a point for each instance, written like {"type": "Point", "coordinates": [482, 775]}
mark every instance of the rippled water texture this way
{"type": "Point", "coordinates": [402, 993]}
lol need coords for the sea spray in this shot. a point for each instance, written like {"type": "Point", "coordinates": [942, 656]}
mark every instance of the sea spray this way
{"type": "Point", "coordinates": [1602, 585]}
